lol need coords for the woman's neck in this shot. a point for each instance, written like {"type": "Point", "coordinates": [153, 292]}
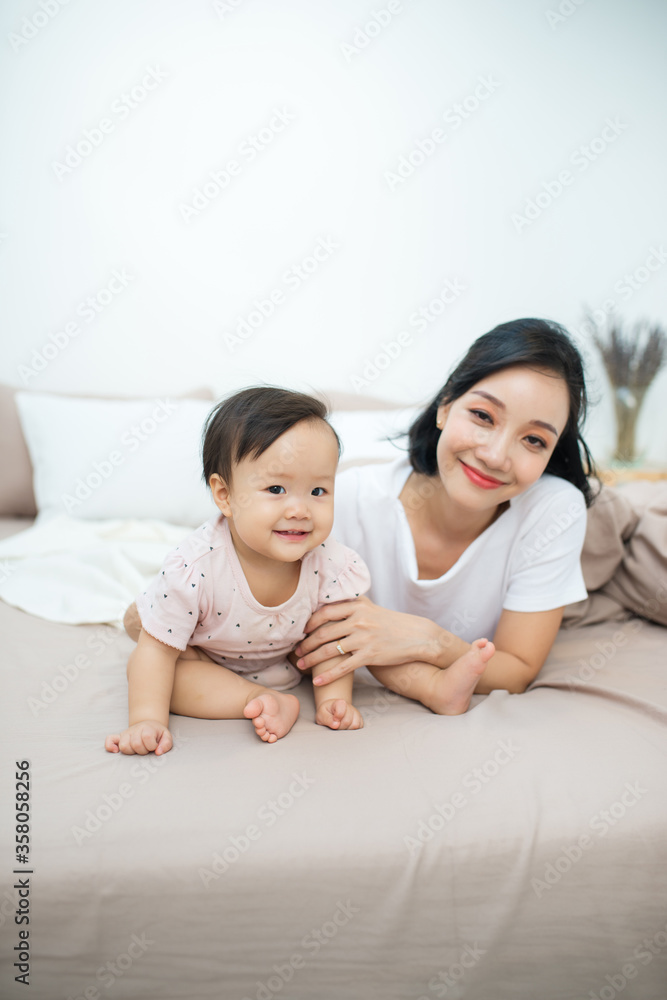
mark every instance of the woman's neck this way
{"type": "Point", "coordinates": [427, 503]}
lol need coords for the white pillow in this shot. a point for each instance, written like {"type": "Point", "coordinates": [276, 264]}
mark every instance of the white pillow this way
{"type": "Point", "coordinates": [97, 459]}
{"type": "Point", "coordinates": [364, 434]}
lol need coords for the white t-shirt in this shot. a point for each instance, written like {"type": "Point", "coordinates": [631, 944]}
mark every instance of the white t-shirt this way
{"type": "Point", "coordinates": [527, 560]}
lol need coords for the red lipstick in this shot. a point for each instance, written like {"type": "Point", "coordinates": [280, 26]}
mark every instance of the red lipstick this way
{"type": "Point", "coordinates": [476, 477]}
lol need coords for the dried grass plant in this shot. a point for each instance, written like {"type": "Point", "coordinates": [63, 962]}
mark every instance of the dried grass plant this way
{"type": "Point", "coordinates": [632, 358]}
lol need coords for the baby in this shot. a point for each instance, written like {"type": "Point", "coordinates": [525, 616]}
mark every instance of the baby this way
{"type": "Point", "coordinates": [215, 628]}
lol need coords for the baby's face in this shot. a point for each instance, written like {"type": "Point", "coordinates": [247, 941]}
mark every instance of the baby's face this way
{"type": "Point", "coordinates": [281, 504]}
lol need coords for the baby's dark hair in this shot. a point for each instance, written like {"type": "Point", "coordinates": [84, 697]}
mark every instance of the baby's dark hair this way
{"type": "Point", "coordinates": [248, 423]}
{"type": "Point", "coordinates": [531, 343]}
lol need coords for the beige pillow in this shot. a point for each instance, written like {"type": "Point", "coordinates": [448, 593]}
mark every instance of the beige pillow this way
{"type": "Point", "coordinates": [17, 498]}
{"type": "Point", "coordinates": [351, 401]}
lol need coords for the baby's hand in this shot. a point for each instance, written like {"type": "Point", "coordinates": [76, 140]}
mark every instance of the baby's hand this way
{"type": "Point", "coordinates": [141, 738]}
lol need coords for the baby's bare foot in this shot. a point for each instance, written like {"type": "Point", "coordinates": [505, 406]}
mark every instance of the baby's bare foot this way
{"type": "Point", "coordinates": [452, 689]}
{"type": "Point", "coordinates": [336, 713]}
{"type": "Point", "coordinates": [273, 714]}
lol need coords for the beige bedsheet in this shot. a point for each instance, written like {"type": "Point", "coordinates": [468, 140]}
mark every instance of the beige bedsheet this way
{"type": "Point", "coordinates": [517, 852]}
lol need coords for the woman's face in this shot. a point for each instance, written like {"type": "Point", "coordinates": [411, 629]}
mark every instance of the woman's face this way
{"type": "Point", "coordinates": [498, 437]}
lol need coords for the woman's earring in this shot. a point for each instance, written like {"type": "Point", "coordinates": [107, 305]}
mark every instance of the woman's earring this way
{"type": "Point", "coordinates": [438, 424]}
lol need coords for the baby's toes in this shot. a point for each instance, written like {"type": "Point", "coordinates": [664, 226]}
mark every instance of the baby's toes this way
{"type": "Point", "coordinates": [324, 716]}
{"type": "Point", "coordinates": [339, 714]}
{"type": "Point", "coordinates": [340, 711]}
{"type": "Point", "coordinates": [353, 719]}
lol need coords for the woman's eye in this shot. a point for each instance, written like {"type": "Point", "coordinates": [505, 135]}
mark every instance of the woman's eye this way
{"type": "Point", "coordinates": [482, 414]}
{"type": "Point", "coordinates": [319, 491]}
{"type": "Point", "coordinates": [276, 490]}
{"type": "Point", "coordinates": [537, 442]}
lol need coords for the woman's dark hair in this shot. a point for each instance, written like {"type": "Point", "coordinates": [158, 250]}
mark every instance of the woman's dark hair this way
{"type": "Point", "coordinates": [248, 423]}
{"type": "Point", "coordinates": [533, 343]}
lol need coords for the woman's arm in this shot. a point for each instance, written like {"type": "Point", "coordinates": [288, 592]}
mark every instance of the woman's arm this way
{"type": "Point", "coordinates": [374, 636]}
{"type": "Point", "coordinates": [523, 641]}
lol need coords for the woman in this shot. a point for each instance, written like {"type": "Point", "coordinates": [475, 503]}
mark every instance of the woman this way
{"type": "Point", "coordinates": [477, 532]}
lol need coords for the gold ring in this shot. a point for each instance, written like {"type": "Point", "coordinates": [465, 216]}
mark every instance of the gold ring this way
{"type": "Point", "coordinates": [340, 649]}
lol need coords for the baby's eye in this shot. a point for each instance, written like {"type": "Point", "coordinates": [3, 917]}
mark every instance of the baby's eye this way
{"type": "Point", "coordinates": [276, 490]}
{"type": "Point", "coordinates": [319, 491]}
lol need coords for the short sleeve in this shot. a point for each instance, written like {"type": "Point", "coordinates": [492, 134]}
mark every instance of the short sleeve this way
{"type": "Point", "coordinates": [545, 570]}
{"type": "Point", "coordinates": [343, 573]}
{"type": "Point", "coordinates": [170, 607]}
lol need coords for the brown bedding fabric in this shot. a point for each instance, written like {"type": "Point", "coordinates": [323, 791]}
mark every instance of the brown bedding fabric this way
{"type": "Point", "coordinates": [16, 494]}
{"type": "Point", "coordinates": [640, 583]}
{"type": "Point", "coordinates": [529, 832]}
{"type": "Point", "coordinates": [624, 559]}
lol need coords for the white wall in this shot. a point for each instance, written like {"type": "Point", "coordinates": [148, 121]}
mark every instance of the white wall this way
{"type": "Point", "coordinates": [220, 71]}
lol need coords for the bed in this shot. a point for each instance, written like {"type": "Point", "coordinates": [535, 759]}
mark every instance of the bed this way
{"type": "Point", "coordinates": [517, 852]}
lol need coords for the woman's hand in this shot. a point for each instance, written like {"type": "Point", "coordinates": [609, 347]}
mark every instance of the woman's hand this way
{"type": "Point", "coordinates": [371, 636]}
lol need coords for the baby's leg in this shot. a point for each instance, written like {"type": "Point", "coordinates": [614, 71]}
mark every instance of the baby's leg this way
{"type": "Point", "coordinates": [333, 702]}
{"type": "Point", "coordinates": [205, 690]}
{"type": "Point", "coordinates": [132, 622]}
{"type": "Point", "coordinates": [445, 692]}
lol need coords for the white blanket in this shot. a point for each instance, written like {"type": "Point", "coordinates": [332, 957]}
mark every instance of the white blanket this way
{"type": "Point", "coordinates": [77, 572]}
